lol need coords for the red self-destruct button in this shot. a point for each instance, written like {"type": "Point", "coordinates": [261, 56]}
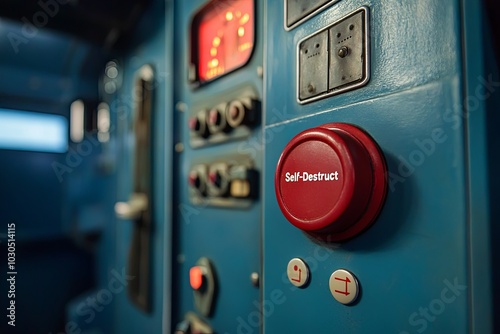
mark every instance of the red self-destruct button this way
{"type": "Point", "coordinates": [330, 181]}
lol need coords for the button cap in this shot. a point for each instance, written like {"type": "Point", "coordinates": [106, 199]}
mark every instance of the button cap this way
{"type": "Point", "coordinates": [196, 277]}
{"type": "Point", "coordinates": [298, 272]}
{"type": "Point", "coordinates": [218, 179]}
{"type": "Point", "coordinates": [197, 179]}
{"type": "Point", "coordinates": [202, 279]}
{"type": "Point", "coordinates": [217, 121]}
{"type": "Point", "coordinates": [198, 124]}
{"type": "Point", "coordinates": [344, 286]}
{"type": "Point", "coordinates": [330, 181]}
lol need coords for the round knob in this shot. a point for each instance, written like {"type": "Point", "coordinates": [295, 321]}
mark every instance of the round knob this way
{"type": "Point", "coordinates": [217, 121]}
{"type": "Point", "coordinates": [218, 180]}
{"type": "Point", "coordinates": [198, 124]}
{"type": "Point", "coordinates": [236, 113]}
{"type": "Point", "coordinates": [197, 277]}
{"type": "Point", "coordinates": [197, 179]}
{"type": "Point", "coordinates": [330, 181]}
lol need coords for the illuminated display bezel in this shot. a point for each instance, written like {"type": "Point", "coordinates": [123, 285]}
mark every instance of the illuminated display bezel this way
{"type": "Point", "coordinates": [193, 75]}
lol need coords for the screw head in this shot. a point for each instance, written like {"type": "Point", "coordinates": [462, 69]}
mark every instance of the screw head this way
{"type": "Point", "coordinates": [343, 52]}
{"type": "Point", "coordinates": [311, 88]}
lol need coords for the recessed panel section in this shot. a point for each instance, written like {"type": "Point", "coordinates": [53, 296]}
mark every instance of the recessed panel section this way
{"type": "Point", "coordinates": [313, 66]}
{"type": "Point", "coordinates": [347, 59]}
{"type": "Point", "coordinates": [297, 11]}
{"type": "Point", "coordinates": [339, 61]}
{"type": "Point", "coordinates": [222, 38]}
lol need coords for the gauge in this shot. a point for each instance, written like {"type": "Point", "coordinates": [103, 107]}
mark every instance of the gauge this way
{"type": "Point", "coordinates": [222, 38]}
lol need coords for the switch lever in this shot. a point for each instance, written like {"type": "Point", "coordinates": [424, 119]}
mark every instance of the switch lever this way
{"type": "Point", "coordinates": [136, 205]}
{"type": "Point", "coordinates": [139, 207]}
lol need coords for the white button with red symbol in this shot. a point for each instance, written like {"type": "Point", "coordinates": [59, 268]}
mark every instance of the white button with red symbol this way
{"type": "Point", "coordinates": [298, 272]}
{"type": "Point", "coordinates": [344, 286]}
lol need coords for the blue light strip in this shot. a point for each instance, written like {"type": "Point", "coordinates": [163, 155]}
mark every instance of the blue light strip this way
{"type": "Point", "coordinates": [30, 131]}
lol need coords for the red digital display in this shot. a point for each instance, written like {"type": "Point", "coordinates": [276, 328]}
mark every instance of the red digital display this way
{"type": "Point", "coordinates": [225, 32]}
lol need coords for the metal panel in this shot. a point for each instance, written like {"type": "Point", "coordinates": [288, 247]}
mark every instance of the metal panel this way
{"type": "Point", "coordinates": [127, 317]}
{"type": "Point", "coordinates": [412, 264]}
{"type": "Point", "coordinates": [228, 236]}
{"type": "Point", "coordinates": [348, 57]}
{"type": "Point", "coordinates": [313, 65]}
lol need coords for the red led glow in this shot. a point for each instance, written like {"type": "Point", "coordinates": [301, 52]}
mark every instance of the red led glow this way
{"type": "Point", "coordinates": [225, 37]}
{"type": "Point", "coordinates": [196, 277]}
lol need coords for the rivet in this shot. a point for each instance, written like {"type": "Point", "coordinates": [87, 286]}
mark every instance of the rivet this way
{"type": "Point", "coordinates": [179, 147]}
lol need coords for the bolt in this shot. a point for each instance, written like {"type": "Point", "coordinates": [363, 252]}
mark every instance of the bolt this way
{"type": "Point", "coordinates": [181, 106]}
{"type": "Point", "coordinates": [343, 52]}
{"type": "Point", "coordinates": [179, 147]}
{"type": "Point", "coordinates": [311, 88]}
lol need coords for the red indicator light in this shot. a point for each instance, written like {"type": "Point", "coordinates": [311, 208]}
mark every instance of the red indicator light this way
{"type": "Point", "coordinates": [225, 32]}
{"type": "Point", "coordinates": [193, 179]}
{"type": "Point", "coordinates": [196, 277]}
{"type": "Point", "coordinates": [214, 117]}
{"type": "Point", "coordinates": [213, 177]}
{"type": "Point", "coordinates": [193, 123]}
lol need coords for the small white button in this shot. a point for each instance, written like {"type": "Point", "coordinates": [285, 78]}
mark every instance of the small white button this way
{"type": "Point", "coordinates": [298, 272]}
{"type": "Point", "coordinates": [344, 286]}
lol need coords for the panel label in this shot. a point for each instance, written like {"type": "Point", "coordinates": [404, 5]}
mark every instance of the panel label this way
{"type": "Point", "coordinates": [311, 177]}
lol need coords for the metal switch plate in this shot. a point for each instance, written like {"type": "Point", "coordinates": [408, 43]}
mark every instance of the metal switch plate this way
{"type": "Point", "coordinates": [348, 58]}
{"type": "Point", "coordinates": [313, 65]}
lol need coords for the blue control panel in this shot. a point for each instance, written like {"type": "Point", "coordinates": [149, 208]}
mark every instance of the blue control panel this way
{"type": "Point", "coordinates": [251, 166]}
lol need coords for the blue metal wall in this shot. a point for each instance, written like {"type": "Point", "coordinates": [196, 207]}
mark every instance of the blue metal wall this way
{"type": "Point", "coordinates": [420, 245]}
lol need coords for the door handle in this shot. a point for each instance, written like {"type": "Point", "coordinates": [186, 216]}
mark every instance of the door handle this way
{"type": "Point", "coordinates": [132, 210]}
{"type": "Point", "coordinates": [139, 206]}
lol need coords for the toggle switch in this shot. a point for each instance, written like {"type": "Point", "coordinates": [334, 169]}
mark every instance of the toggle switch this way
{"type": "Point", "coordinates": [217, 121]}
{"type": "Point", "coordinates": [198, 124]}
{"type": "Point", "coordinates": [330, 181]}
{"type": "Point", "coordinates": [197, 179]}
{"type": "Point", "coordinates": [244, 182]}
{"type": "Point", "coordinates": [218, 180]}
{"type": "Point", "coordinates": [203, 281]}
{"type": "Point", "coordinates": [242, 112]}
{"type": "Point", "coordinates": [196, 277]}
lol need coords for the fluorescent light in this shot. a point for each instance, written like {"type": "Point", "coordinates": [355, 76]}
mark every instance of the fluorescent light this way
{"type": "Point", "coordinates": [30, 131]}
